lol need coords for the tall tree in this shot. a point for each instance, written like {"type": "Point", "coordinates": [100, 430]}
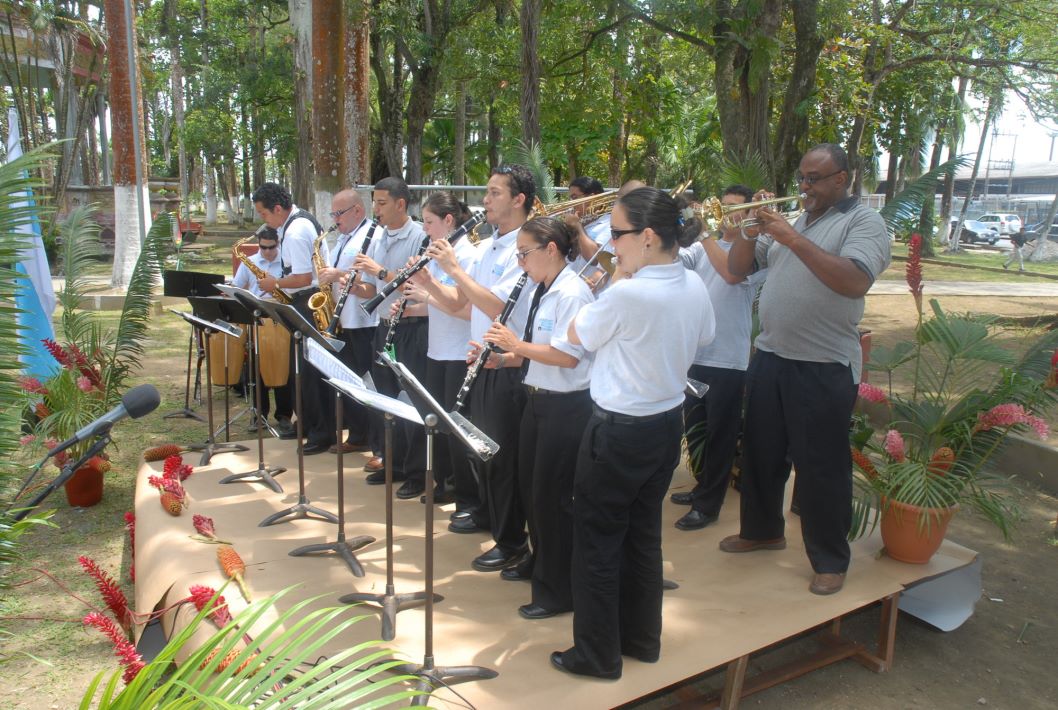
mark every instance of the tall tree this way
{"type": "Point", "coordinates": [529, 21]}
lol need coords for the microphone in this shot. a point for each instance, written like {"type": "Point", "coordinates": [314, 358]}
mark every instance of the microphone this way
{"type": "Point", "coordinates": [135, 403]}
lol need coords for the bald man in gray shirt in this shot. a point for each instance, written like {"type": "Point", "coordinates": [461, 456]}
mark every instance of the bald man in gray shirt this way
{"type": "Point", "coordinates": [801, 384]}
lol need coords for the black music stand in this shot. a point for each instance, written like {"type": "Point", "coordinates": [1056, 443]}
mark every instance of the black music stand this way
{"type": "Point", "coordinates": [264, 473]}
{"type": "Point", "coordinates": [181, 284]}
{"type": "Point", "coordinates": [437, 420]}
{"type": "Point", "coordinates": [211, 447]}
{"type": "Point", "coordinates": [300, 330]}
{"type": "Point", "coordinates": [216, 309]}
{"type": "Point", "coordinates": [345, 549]}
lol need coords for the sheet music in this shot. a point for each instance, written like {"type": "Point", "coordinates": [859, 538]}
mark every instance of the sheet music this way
{"type": "Point", "coordinates": [331, 367]}
{"type": "Point", "coordinates": [379, 401]}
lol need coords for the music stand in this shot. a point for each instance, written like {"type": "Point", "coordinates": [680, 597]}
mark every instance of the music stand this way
{"type": "Point", "coordinates": [437, 420]}
{"type": "Point", "coordinates": [215, 308]}
{"type": "Point", "coordinates": [264, 473]}
{"type": "Point", "coordinates": [181, 284]}
{"type": "Point", "coordinates": [211, 447]}
{"type": "Point", "coordinates": [300, 330]}
{"type": "Point", "coordinates": [345, 549]}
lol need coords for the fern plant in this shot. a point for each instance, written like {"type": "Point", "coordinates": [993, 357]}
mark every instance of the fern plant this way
{"type": "Point", "coordinates": [531, 155]}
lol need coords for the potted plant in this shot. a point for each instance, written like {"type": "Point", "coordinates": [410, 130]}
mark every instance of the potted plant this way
{"type": "Point", "coordinates": [924, 451]}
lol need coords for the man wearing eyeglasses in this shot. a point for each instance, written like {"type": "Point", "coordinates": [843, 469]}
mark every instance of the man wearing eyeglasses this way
{"type": "Point", "coordinates": [267, 260]}
{"type": "Point", "coordinates": [801, 384]}
{"type": "Point", "coordinates": [357, 327]}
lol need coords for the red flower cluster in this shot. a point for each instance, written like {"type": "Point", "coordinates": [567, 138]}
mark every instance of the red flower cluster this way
{"type": "Point", "coordinates": [172, 495]}
{"type": "Point", "coordinates": [123, 649]}
{"type": "Point", "coordinates": [72, 358]}
{"type": "Point", "coordinates": [201, 596]}
{"type": "Point", "coordinates": [174, 467]}
{"type": "Point", "coordinates": [913, 272]}
{"type": "Point", "coordinates": [110, 591]}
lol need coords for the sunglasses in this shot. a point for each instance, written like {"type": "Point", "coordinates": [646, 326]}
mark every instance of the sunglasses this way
{"type": "Point", "coordinates": [271, 248]}
{"type": "Point", "coordinates": [616, 234]}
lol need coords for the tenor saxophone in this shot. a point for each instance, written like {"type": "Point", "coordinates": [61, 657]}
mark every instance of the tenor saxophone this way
{"type": "Point", "coordinates": [277, 293]}
{"type": "Point", "coordinates": [322, 302]}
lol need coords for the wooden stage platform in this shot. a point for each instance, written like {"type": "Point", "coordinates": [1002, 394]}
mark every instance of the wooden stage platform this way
{"type": "Point", "coordinates": [726, 608]}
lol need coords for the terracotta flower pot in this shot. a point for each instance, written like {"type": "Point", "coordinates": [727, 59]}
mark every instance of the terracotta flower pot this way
{"type": "Point", "coordinates": [85, 487]}
{"type": "Point", "coordinates": [907, 539]}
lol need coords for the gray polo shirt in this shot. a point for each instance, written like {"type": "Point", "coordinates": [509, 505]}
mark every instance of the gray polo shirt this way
{"type": "Point", "coordinates": [800, 317]}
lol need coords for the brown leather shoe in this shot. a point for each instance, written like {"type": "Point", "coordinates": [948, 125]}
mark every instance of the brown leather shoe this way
{"type": "Point", "coordinates": [374, 465]}
{"type": "Point", "coordinates": [348, 448]}
{"type": "Point", "coordinates": [827, 583]}
{"type": "Point", "coordinates": [737, 543]}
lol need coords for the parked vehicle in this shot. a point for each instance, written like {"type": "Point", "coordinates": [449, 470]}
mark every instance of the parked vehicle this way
{"type": "Point", "coordinates": [1002, 222]}
{"type": "Point", "coordinates": [1033, 231]}
{"type": "Point", "coordinates": [974, 231]}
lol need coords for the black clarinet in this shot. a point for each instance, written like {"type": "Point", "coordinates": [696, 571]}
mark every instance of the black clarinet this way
{"type": "Point", "coordinates": [402, 305]}
{"type": "Point", "coordinates": [407, 272]}
{"type": "Point", "coordinates": [479, 364]}
{"type": "Point", "coordinates": [332, 327]}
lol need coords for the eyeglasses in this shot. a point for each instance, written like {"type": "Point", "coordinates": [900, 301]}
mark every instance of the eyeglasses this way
{"type": "Point", "coordinates": [339, 213]}
{"type": "Point", "coordinates": [813, 179]}
{"type": "Point", "coordinates": [522, 254]}
{"type": "Point", "coordinates": [616, 234]}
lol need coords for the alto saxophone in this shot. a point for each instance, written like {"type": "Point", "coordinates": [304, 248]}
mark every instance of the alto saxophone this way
{"type": "Point", "coordinates": [277, 293]}
{"type": "Point", "coordinates": [322, 302]}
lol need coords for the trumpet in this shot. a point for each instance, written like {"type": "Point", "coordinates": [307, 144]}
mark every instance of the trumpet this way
{"type": "Point", "coordinates": [717, 216]}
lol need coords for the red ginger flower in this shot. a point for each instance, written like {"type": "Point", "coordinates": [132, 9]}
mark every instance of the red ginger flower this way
{"type": "Point", "coordinates": [913, 271]}
{"type": "Point", "coordinates": [174, 467]}
{"type": "Point", "coordinates": [130, 525]}
{"type": "Point", "coordinates": [32, 385]}
{"type": "Point", "coordinates": [58, 353]}
{"type": "Point", "coordinates": [109, 590]}
{"type": "Point", "coordinates": [41, 410]}
{"type": "Point", "coordinates": [204, 525]}
{"type": "Point", "coordinates": [1052, 376]}
{"type": "Point", "coordinates": [941, 461]}
{"type": "Point", "coordinates": [894, 445]}
{"type": "Point", "coordinates": [84, 366]}
{"type": "Point", "coordinates": [84, 384]}
{"type": "Point", "coordinates": [201, 596]}
{"type": "Point", "coordinates": [872, 394]}
{"type": "Point", "coordinates": [1008, 415]}
{"type": "Point", "coordinates": [863, 462]}
{"type": "Point", "coordinates": [123, 649]}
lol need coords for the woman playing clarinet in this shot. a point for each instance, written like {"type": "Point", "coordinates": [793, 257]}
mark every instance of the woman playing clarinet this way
{"type": "Point", "coordinates": [644, 332]}
{"type": "Point", "coordinates": [556, 379]}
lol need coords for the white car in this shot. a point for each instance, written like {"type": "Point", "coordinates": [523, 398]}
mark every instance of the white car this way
{"type": "Point", "coordinates": [1003, 223]}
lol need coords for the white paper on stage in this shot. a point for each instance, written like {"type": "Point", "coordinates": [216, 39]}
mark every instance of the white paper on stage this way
{"type": "Point", "coordinates": [218, 325]}
{"type": "Point", "coordinates": [331, 367]}
{"type": "Point", "coordinates": [379, 401]}
{"type": "Point", "coordinates": [945, 601]}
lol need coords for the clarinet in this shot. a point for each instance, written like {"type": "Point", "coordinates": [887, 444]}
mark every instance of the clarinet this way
{"type": "Point", "coordinates": [332, 327]}
{"type": "Point", "coordinates": [479, 364]}
{"type": "Point", "coordinates": [407, 272]}
{"type": "Point", "coordinates": [402, 305]}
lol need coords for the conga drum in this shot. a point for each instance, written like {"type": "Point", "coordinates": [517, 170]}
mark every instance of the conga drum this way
{"type": "Point", "coordinates": [230, 372]}
{"type": "Point", "coordinates": [273, 343]}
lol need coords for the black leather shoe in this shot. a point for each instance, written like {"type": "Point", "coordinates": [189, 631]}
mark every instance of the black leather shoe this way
{"type": "Point", "coordinates": [379, 477]}
{"type": "Point", "coordinates": [682, 498]}
{"type": "Point", "coordinates": [695, 520]}
{"type": "Point", "coordinates": [443, 497]}
{"type": "Point", "coordinates": [535, 611]}
{"type": "Point", "coordinates": [409, 490]}
{"type": "Point", "coordinates": [287, 434]}
{"type": "Point", "coordinates": [312, 449]}
{"type": "Point", "coordinates": [558, 661]}
{"type": "Point", "coordinates": [496, 559]}
{"type": "Point", "coordinates": [465, 525]}
{"type": "Point", "coordinates": [521, 572]}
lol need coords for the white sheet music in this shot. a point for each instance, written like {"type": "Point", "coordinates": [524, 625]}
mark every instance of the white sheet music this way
{"type": "Point", "coordinates": [379, 401]}
{"type": "Point", "coordinates": [331, 367]}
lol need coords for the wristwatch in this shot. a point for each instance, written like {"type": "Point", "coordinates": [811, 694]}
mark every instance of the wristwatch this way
{"type": "Point", "coordinates": [383, 273]}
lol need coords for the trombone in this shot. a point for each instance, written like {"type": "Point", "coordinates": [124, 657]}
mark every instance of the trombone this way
{"type": "Point", "coordinates": [606, 261]}
{"type": "Point", "coordinates": [717, 215]}
{"type": "Point", "coordinates": [589, 208]}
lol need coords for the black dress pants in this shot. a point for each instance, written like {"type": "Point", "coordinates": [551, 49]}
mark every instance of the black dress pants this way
{"type": "Point", "coordinates": [317, 398]}
{"type": "Point", "coordinates": [356, 355]}
{"type": "Point", "coordinates": [496, 403]}
{"type": "Point", "coordinates": [801, 410]}
{"type": "Point", "coordinates": [711, 426]}
{"type": "Point", "coordinates": [552, 427]}
{"type": "Point", "coordinates": [624, 468]}
{"type": "Point", "coordinates": [409, 440]}
{"type": "Point", "coordinates": [451, 458]}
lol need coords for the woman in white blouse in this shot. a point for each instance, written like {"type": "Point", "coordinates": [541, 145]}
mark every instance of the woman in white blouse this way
{"type": "Point", "coordinates": [644, 332]}
{"type": "Point", "coordinates": [556, 377]}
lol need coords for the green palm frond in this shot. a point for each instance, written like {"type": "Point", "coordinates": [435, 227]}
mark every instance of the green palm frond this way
{"type": "Point", "coordinates": [902, 212]}
{"type": "Point", "coordinates": [532, 157]}
{"type": "Point", "coordinates": [751, 171]}
{"type": "Point", "coordinates": [79, 234]}
{"type": "Point", "coordinates": [283, 668]}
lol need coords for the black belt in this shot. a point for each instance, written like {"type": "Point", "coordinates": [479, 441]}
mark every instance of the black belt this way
{"type": "Point", "coordinates": [406, 319]}
{"type": "Point", "coordinates": [615, 418]}
{"type": "Point", "coordinates": [541, 392]}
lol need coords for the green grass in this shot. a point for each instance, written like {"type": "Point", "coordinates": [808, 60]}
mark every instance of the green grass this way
{"type": "Point", "coordinates": [989, 259]}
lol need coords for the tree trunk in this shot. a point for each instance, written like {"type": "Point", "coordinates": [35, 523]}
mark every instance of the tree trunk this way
{"type": "Point", "coordinates": [209, 193]}
{"type": "Point", "coordinates": [615, 149]}
{"type": "Point", "coordinates": [990, 117]}
{"type": "Point", "coordinates": [459, 162]}
{"type": "Point", "coordinates": [530, 79]}
{"type": "Point", "coordinates": [389, 78]}
{"type": "Point", "coordinates": [104, 143]}
{"type": "Point", "coordinates": [128, 191]}
{"type": "Point", "coordinates": [493, 136]}
{"type": "Point", "coordinates": [327, 100]}
{"type": "Point", "coordinates": [1038, 253]}
{"type": "Point", "coordinates": [792, 131]}
{"type": "Point", "coordinates": [949, 180]}
{"type": "Point", "coordinates": [426, 81]}
{"type": "Point", "coordinates": [357, 137]}
{"type": "Point", "coordinates": [301, 29]}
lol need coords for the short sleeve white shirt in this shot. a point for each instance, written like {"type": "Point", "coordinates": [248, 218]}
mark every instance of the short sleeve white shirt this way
{"type": "Point", "coordinates": [296, 239]}
{"type": "Point", "coordinates": [392, 249]}
{"type": "Point", "coordinates": [244, 278]}
{"type": "Point", "coordinates": [448, 335]}
{"type": "Point", "coordinates": [346, 250]}
{"type": "Point", "coordinates": [497, 269]}
{"type": "Point", "coordinates": [558, 307]}
{"type": "Point", "coordinates": [644, 332]}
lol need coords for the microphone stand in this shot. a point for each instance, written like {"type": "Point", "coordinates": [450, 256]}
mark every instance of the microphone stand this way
{"type": "Point", "coordinates": [65, 474]}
